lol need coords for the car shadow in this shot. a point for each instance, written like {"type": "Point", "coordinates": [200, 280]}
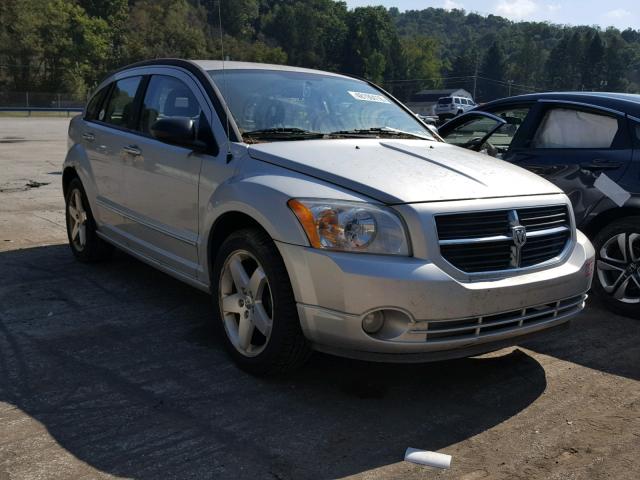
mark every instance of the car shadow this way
{"type": "Point", "coordinates": [598, 339]}
{"type": "Point", "coordinates": [120, 364]}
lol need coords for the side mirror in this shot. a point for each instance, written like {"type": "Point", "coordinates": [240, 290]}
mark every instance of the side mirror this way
{"type": "Point", "coordinates": [177, 131]}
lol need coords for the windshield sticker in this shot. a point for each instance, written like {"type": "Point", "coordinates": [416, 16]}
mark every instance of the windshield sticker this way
{"type": "Point", "coordinates": [368, 97]}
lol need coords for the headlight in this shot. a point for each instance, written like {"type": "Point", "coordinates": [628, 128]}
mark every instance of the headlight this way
{"type": "Point", "coordinates": [351, 226]}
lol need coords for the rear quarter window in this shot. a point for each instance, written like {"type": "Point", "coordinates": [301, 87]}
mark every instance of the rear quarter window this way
{"type": "Point", "coordinates": [95, 104]}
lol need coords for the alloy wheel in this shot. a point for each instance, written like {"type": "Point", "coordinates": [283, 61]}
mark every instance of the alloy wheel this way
{"type": "Point", "coordinates": [77, 220]}
{"type": "Point", "coordinates": [246, 303]}
{"type": "Point", "coordinates": [618, 267]}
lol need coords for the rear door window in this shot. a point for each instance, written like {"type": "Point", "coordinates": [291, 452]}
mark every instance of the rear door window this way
{"type": "Point", "coordinates": [120, 109]}
{"type": "Point", "coordinates": [567, 128]}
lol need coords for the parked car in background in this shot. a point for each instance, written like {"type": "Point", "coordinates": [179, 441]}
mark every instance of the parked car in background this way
{"type": "Point", "coordinates": [449, 107]}
{"type": "Point", "coordinates": [320, 214]}
{"type": "Point", "coordinates": [428, 119]}
{"type": "Point", "coordinates": [588, 144]}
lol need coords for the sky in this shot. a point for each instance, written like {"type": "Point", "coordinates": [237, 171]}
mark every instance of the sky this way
{"type": "Point", "coordinates": [617, 13]}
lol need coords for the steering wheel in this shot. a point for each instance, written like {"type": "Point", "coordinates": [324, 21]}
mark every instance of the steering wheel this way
{"type": "Point", "coordinates": [476, 145]}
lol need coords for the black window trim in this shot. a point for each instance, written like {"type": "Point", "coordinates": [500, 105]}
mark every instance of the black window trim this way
{"type": "Point", "coordinates": [138, 103]}
{"type": "Point", "coordinates": [136, 107]}
{"type": "Point", "coordinates": [108, 89]}
{"type": "Point", "coordinates": [205, 81]}
{"type": "Point", "coordinates": [105, 92]}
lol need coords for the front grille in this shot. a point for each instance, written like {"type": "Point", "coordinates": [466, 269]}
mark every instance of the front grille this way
{"type": "Point", "coordinates": [478, 242]}
{"type": "Point", "coordinates": [469, 328]}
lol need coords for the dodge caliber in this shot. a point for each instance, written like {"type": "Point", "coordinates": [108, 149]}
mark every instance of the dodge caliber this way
{"type": "Point", "coordinates": [320, 214]}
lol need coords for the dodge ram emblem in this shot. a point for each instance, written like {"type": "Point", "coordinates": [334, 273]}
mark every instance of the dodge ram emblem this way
{"type": "Point", "coordinates": [519, 234]}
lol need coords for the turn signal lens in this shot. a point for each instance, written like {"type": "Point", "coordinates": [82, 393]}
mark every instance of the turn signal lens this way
{"type": "Point", "coordinates": [306, 220]}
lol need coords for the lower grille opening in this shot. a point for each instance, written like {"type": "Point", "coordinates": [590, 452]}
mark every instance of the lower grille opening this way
{"type": "Point", "coordinates": [446, 330]}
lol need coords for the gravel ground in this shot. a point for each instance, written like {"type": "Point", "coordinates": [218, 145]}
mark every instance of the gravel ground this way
{"type": "Point", "coordinates": [112, 370]}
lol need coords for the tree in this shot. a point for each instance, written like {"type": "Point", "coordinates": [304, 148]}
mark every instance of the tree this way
{"type": "Point", "coordinates": [165, 28]}
{"type": "Point", "coordinates": [420, 61]}
{"type": "Point", "coordinates": [105, 9]}
{"type": "Point", "coordinates": [558, 70]}
{"type": "Point", "coordinates": [493, 72]}
{"type": "Point", "coordinates": [463, 68]}
{"type": "Point", "coordinates": [68, 45]}
{"type": "Point", "coordinates": [593, 76]}
{"type": "Point", "coordinates": [373, 47]}
{"type": "Point", "coordinates": [617, 59]}
{"type": "Point", "coordinates": [53, 45]}
{"type": "Point", "coordinates": [312, 33]}
{"type": "Point", "coordinates": [575, 59]}
{"type": "Point", "coordinates": [238, 16]}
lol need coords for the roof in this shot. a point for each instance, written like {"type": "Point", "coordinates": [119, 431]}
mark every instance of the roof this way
{"type": "Point", "coordinates": [622, 102]}
{"type": "Point", "coordinates": [209, 65]}
{"type": "Point", "coordinates": [231, 65]}
{"type": "Point", "coordinates": [434, 95]}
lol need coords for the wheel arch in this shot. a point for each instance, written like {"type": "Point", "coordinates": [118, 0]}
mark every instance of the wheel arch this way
{"type": "Point", "coordinates": [608, 216]}
{"type": "Point", "coordinates": [68, 175]}
{"type": "Point", "coordinates": [225, 225]}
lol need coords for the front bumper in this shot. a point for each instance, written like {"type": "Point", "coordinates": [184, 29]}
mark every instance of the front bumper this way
{"type": "Point", "coordinates": [336, 290]}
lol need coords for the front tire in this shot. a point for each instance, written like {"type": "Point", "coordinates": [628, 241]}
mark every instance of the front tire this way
{"type": "Point", "coordinates": [81, 226]}
{"type": "Point", "coordinates": [617, 278]}
{"type": "Point", "coordinates": [255, 311]}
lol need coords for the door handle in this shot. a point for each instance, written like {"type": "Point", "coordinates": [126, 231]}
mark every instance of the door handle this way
{"type": "Point", "coordinates": [89, 137]}
{"type": "Point", "coordinates": [132, 150]}
{"type": "Point", "coordinates": [599, 164]}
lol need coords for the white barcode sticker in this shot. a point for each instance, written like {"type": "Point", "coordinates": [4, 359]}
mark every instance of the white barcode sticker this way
{"type": "Point", "coordinates": [368, 97]}
{"type": "Point", "coordinates": [611, 189]}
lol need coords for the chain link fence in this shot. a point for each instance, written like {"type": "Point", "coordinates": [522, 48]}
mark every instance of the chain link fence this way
{"type": "Point", "coordinates": [43, 100]}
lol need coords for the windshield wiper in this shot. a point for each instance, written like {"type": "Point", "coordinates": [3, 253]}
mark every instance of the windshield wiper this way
{"type": "Point", "coordinates": [376, 132]}
{"type": "Point", "coordinates": [282, 133]}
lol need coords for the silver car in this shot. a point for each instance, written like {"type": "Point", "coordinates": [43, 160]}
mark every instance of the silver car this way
{"type": "Point", "coordinates": [449, 107]}
{"type": "Point", "coordinates": [320, 213]}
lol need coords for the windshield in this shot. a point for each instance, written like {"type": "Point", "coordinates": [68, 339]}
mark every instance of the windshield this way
{"type": "Point", "coordinates": [302, 102]}
{"type": "Point", "coordinates": [445, 101]}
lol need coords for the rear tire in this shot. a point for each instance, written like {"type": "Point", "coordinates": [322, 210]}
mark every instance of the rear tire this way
{"type": "Point", "coordinates": [255, 310]}
{"type": "Point", "coordinates": [81, 226]}
{"type": "Point", "coordinates": [617, 277]}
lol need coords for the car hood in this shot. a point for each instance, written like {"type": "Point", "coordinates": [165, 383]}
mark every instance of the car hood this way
{"type": "Point", "coordinates": [403, 171]}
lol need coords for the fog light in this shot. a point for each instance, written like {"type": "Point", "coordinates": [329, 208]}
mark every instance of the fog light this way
{"type": "Point", "coordinates": [373, 322]}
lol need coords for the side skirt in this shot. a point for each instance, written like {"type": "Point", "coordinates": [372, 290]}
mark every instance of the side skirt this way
{"type": "Point", "coordinates": [154, 263]}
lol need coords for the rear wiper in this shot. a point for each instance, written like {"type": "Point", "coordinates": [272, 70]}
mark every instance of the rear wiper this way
{"type": "Point", "coordinates": [377, 131]}
{"type": "Point", "coordinates": [280, 133]}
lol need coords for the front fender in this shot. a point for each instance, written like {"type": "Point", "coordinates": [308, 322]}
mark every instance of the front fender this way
{"type": "Point", "coordinates": [264, 204]}
{"type": "Point", "coordinates": [262, 194]}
